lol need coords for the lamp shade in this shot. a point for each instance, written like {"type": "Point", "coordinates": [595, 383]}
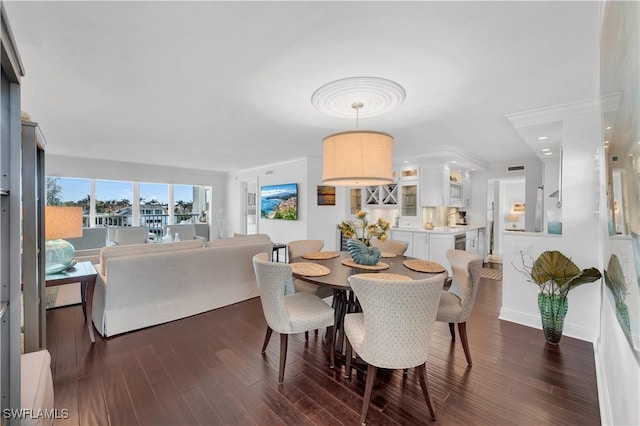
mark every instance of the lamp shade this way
{"type": "Point", "coordinates": [62, 222]}
{"type": "Point", "coordinates": [354, 158]}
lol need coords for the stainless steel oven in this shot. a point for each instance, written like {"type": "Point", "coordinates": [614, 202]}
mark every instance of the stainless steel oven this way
{"type": "Point", "coordinates": [460, 242]}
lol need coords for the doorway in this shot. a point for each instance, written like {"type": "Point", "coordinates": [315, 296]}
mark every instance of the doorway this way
{"type": "Point", "coordinates": [249, 207]}
{"type": "Point", "coordinates": [505, 212]}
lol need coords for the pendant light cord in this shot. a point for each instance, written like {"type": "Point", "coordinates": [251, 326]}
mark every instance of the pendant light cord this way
{"type": "Point", "coordinates": [357, 106]}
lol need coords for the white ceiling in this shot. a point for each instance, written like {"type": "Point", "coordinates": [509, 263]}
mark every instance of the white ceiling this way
{"type": "Point", "coordinates": [227, 85]}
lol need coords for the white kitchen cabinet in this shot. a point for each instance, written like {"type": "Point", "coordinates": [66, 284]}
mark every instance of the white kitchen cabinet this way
{"type": "Point", "coordinates": [434, 185]}
{"type": "Point", "coordinates": [421, 245]}
{"type": "Point", "coordinates": [438, 246]}
{"type": "Point", "coordinates": [407, 173]}
{"type": "Point", "coordinates": [472, 241]}
{"type": "Point", "coordinates": [466, 189]}
{"type": "Point", "coordinates": [408, 197]}
{"type": "Point", "coordinates": [404, 236]}
{"type": "Point", "coordinates": [381, 196]}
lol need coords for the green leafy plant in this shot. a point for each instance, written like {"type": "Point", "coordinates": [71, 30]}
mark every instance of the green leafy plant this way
{"type": "Point", "coordinates": [377, 229]}
{"type": "Point", "coordinates": [556, 274]}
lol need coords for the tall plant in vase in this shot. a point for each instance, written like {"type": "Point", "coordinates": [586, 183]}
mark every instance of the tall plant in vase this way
{"type": "Point", "coordinates": [360, 235]}
{"type": "Point", "coordinates": [555, 275]}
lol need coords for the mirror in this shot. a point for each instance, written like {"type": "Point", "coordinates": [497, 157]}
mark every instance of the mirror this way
{"type": "Point", "coordinates": [620, 94]}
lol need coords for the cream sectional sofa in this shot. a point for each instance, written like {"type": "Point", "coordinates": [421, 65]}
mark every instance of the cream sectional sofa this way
{"type": "Point", "coordinates": [148, 284]}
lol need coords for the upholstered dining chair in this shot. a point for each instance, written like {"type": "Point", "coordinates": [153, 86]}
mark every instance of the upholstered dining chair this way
{"type": "Point", "coordinates": [288, 314]}
{"type": "Point", "coordinates": [456, 303]}
{"type": "Point", "coordinates": [394, 328]}
{"type": "Point", "coordinates": [392, 246]}
{"type": "Point", "coordinates": [299, 248]}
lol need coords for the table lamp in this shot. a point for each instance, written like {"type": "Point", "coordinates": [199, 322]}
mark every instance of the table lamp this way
{"type": "Point", "coordinates": [513, 219]}
{"type": "Point", "coordinates": [61, 222]}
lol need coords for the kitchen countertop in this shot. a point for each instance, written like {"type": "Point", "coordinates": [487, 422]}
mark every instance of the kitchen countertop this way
{"type": "Point", "coordinates": [456, 229]}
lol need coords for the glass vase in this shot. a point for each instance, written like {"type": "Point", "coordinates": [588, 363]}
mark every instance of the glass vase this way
{"type": "Point", "coordinates": [553, 309]}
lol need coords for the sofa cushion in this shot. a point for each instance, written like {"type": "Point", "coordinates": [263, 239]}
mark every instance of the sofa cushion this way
{"type": "Point", "coordinates": [131, 235]}
{"type": "Point", "coordinates": [107, 253]}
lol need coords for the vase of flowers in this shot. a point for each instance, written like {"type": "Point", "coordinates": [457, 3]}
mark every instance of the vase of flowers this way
{"type": "Point", "coordinates": [555, 274]}
{"type": "Point", "coordinates": [360, 235]}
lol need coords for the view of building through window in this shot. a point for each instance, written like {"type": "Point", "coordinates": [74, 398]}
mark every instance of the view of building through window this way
{"type": "Point", "coordinates": [112, 203]}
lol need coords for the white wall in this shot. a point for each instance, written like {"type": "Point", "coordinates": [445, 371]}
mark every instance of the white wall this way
{"type": "Point", "coordinates": [314, 222]}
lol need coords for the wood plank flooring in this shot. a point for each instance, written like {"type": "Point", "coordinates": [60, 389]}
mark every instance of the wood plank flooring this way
{"type": "Point", "coordinates": [208, 370]}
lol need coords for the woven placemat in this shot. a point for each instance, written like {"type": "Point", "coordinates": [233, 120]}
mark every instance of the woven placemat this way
{"type": "Point", "coordinates": [321, 255]}
{"type": "Point", "coordinates": [377, 267]}
{"type": "Point", "coordinates": [309, 269]}
{"type": "Point", "coordinates": [386, 276]}
{"type": "Point", "coordinates": [387, 254]}
{"type": "Point", "coordinates": [423, 266]}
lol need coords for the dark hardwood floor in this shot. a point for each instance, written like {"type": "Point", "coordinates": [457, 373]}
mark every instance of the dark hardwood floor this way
{"type": "Point", "coordinates": [208, 370]}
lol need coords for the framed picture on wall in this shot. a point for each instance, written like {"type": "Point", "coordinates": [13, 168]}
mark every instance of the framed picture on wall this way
{"type": "Point", "coordinates": [326, 195]}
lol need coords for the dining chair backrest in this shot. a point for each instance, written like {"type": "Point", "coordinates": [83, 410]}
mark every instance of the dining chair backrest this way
{"type": "Point", "coordinates": [131, 235]}
{"type": "Point", "coordinates": [301, 247]}
{"type": "Point", "coordinates": [185, 231]}
{"type": "Point", "coordinates": [272, 278]}
{"type": "Point", "coordinates": [392, 246]}
{"type": "Point", "coordinates": [465, 267]}
{"type": "Point", "coordinates": [399, 318]}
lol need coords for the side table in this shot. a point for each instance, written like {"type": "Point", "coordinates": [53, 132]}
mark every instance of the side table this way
{"type": "Point", "coordinates": [85, 274]}
{"type": "Point", "coordinates": [276, 250]}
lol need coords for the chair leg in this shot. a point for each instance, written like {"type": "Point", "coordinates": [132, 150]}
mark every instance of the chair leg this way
{"type": "Point", "coordinates": [422, 375]}
{"type": "Point", "coordinates": [266, 339]}
{"type": "Point", "coordinates": [462, 328]}
{"type": "Point", "coordinates": [452, 330]}
{"type": "Point", "coordinates": [306, 336]}
{"type": "Point", "coordinates": [316, 332]}
{"type": "Point", "coordinates": [284, 339]}
{"type": "Point", "coordinates": [347, 361]}
{"type": "Point", "coordinates": [368, 391]}
{"type": "Point", "coordinates": [332, 351]}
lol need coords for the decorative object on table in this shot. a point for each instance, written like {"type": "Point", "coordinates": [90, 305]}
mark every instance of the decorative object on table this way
{"type": "Point", "coordinates": [368, 231]}
{"type": "Point", "coordinates": [616, 282]}
{"type": "Point", "coordinates": [321, 255]}
{"type": "Point", "coordinates": [309, 269]}
{"type": "Point", "coordinates": [363, 254]}
{"type": "Point", "coordinates": [326, 195]}
{"type": "Point", "coordinates": [353, 264]}
{"type": "Point", "coordinates": [358, 157]}
{"type": "Point", "coordinates": [61, 222]}
{"type": "Point", "coordinates": [518, 207]}
{"type": "Point", "coordinates": [555, 274]}
{"type": "Point", "coordinates": [426, 266]}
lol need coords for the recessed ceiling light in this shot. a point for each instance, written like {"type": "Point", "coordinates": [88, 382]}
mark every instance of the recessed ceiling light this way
{"type": "Point", "coordinates": [405, 161]}
{"type": "Point", "coordinates": [546, 149]}
{"type": "Point", "coordinates": [606, 146]}
{"type": "Point", "coordinates": [608, 128]}
{"type": "Point", "coordinates": [473, 170]}
{"type": "Point", "coordinates": [606, 142]}
{"type": "Point", "coordinates": [542, 138]}
{"type": "Point", "coordinates": [548, 153]}
{"type": "Point", "coordinates": [453, 161]}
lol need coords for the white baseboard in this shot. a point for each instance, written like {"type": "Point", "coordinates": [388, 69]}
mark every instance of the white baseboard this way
{"type": "Point", "coordinates": [530, 320]}
{"type": "Point", "coordinates": [606, 416]}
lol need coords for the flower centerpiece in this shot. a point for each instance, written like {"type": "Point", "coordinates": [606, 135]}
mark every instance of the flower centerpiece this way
{"type": "Point", "coordinates": [360, 235]}
{"type": "Point", "coordinates": [555, 274]}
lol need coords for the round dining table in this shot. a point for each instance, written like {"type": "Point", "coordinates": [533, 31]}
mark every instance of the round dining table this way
{"type": "Point", "coordinates": [344, 301]}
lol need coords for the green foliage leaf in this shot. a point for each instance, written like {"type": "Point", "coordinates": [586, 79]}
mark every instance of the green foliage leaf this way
{"type": "Point", "coordinates": [553, 266]}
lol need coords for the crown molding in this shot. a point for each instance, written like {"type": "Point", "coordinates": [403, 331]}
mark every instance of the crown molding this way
{"type": "Point", "coordinates": [560, 112]}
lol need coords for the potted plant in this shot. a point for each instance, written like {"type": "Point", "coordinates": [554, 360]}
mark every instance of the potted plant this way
{"type": "Point", "coordinates": [359, 243]}
{"type": "Point", "coordinates": [555, 275]}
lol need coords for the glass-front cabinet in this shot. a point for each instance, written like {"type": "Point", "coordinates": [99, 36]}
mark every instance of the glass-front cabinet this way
{"type": "Point", "coordinates": [355, 200]}
{"type": "Point", "coordinates": [409, 199]}
{"type": "Point", "coordinates": [405, 173]}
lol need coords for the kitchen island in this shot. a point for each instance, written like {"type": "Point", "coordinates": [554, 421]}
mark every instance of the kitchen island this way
{"type": "Point", "coordinates": [432, 244]}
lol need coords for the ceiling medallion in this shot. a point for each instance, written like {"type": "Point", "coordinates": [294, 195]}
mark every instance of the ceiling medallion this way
{"type": "Point", "coordinates": [378, 95]}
